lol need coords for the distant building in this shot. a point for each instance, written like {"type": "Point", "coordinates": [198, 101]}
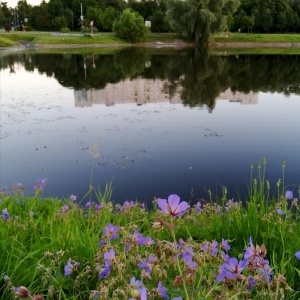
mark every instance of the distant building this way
{"type": "Point", "coordinates": [142, 91]}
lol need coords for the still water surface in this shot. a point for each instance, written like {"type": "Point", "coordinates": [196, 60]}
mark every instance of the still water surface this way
{"type": "Point", "coordinates": [167, 122]}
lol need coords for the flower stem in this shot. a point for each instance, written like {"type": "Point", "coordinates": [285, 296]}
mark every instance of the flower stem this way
{"type": "Point", "coordinates": [172, 227]}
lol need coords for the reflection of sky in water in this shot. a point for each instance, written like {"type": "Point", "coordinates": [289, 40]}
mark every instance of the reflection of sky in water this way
{"type": "Point", "coordinates": [150, 150]}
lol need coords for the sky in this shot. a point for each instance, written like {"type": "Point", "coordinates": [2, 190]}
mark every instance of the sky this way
{"type": "Point", "coordinates": [13, 3]}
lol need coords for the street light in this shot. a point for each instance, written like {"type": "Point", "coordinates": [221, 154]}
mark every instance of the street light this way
{"type": "Point", "coordinates": [81, 17]}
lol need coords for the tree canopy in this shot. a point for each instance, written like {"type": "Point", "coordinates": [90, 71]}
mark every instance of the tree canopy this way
{"type": "Point", "coordinates": [197, 19]}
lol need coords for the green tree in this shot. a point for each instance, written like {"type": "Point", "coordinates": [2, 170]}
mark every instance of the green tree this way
{"type": "Point", "coordinates": [159, 22]}
{"type": "Point", "coordinates": [198, 19]}
{"type": "Point", "coordinates": [23, 10]}
{"type": "Point", "coordinates": [39, 17]}
{"type": "Point", "coordinates": [107, 18]}
{"type": "Point", "coordinates": [247, 23]}
{"type": "Point", "coordinates": [59, 22]}
{"type": "Point", "coordinates": [6, 14]}
{"type": "Point", "coordinates": [265, 14]}
{"type": "Point", "coordinates": [130, 26]}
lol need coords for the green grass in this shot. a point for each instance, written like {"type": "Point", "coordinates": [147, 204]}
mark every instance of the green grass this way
{"type": "Point", "coordinates": [10, 39]}
{"type": "Point", "coordinates": [256, 38]}
{"type": "Point", "coordinates": [36, 248]}
{"type": "Point", "coordinates": [87, 39]}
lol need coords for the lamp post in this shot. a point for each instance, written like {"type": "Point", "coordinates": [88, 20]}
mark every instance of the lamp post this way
{"type": "Point", "coordinates": [81, 17]}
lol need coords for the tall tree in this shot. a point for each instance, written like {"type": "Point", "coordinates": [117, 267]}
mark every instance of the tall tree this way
{"type": "Point", "coordinates": [198, 19]}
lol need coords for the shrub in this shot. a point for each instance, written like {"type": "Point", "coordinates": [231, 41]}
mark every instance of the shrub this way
{"type": "Point", "coordinates": [65, 30]}
{"type": "Point", "coordinates": [88, 35]}
{"type": "Point", "coordinates": [95, 29]}
{"type": "Point", "coordinates": [130, 26]}
{"type": "Point", "coordinates": [85, 29]}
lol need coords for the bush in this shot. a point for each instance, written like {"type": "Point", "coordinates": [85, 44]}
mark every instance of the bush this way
{"type": "Point", "coordinates": [95, 29]}
{"type": "Point", "coordinates": [85, 29]}
{"type": "Point", "coordinates": [65, 30]}
{"type": "Point", "coordinates": [88, 35]}
{"type": "Point", "coordinates": [130, 26]}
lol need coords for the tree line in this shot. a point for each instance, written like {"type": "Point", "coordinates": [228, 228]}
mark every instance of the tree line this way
{"type": "Point", "coordinates": [196, 19]}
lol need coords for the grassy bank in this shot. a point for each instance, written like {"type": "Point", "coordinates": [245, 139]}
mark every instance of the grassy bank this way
{"type": "Point", "coordinates": [94, 249]}
{"type": "Point", "coordinates": [33, 38]}
{"type": "Point", "coordinates": [255, 38]}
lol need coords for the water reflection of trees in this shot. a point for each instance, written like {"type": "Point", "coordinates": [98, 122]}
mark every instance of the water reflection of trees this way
{"type": "Point", "coordinates": [200, 76]}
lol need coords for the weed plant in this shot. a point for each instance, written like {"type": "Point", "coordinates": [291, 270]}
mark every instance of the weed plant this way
{"type": "Point", "coordinates": [216, 249]}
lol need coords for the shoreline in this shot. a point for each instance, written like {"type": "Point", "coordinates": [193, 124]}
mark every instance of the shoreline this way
{"type": "Point", "coordinates": [178, 44]}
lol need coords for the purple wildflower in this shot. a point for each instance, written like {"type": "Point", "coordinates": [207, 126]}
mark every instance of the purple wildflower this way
{"type": "Point", "coordinates": [250, 252]}
{"type": "Point", "coordinates": [280, 211]}
{"type": "Point", "coordinates": [225, 256]}
{"type": "Point", "coordinates": [65, 208]}
{"type": "Point", "coordinates": [289, 195]}
{"type": "Point", "coordinates": [148, 241]}
{"type": "Point", "coordinates": [187, 254]}
{"type": "Point", "coordinates": [135, 283]}
{"type": "Point", "coordinates": [265, 269]}
{"type": "Point", "coordinates": [192, 265]}
{"type": "Point", "coordinates": [5, 214]}
{"type": "Point", "coordinates": [127, 206]}
{"type": "Point", "coordinates": [172, 207]}
{"type": "Point", "coordinates": [31, 213]}
{"type": "Point", "coordinates": [162, 291]}
{"type": "Point", "coordinates": [147, 265]}
{"type": "Point", "coordinates": [177, 298]}
{"type": "Point", "coordinates": [88, 204]}
{"type": "Point", "coordinates": [105, 271]}
{"type": "Point", "coordinates": [251, 283]}
{"type": "Point", "coordinates": [297, 254]}
{"type": "Point", "coordinates": [102, 242]}
{"type": "Point", "coordinates": [198, 207]}
{"type": "Point", "coordinates": [111, 231]}
{"type": "Point", "coordinates": [213, 247]}
{"type": "Point", "coordinates": [110, 256]}
{"type": "Point", "coordinates": [137, 238]}
{"type": "Point", "coordinates": [69, 268]}
{"type": "Point", "coordinates": [73, 198]}
{"type": "Point", "coordinates": [231, 269]}
{"type": "Point", "coordinates": [225, 245]}
{"type": "Point", "coordinates": [180, 244]}
{"type": "Point", "coordinates": [99, 206]}
{"type": "Point", "coordinates": [127, 247]}
{"type": "Point", "coordinates": [39, 185]}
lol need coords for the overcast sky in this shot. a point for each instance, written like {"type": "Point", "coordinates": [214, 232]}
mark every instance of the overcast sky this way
{"type": "Point", "coordinates": [13, 3]}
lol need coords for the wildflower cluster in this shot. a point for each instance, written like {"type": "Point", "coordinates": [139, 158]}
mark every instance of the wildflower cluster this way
{"type": "Point", "coordinates": [101, 251]}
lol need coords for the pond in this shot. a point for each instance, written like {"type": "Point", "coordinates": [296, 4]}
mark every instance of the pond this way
{"type": "Point", "coordinates": [152, 122]}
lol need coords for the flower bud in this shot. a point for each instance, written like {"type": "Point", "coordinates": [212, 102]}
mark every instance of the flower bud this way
{"type": "Point", "coordinates": [189, 278]}
{"type": "Point", "coordinates": [158, 224]}
{"type": "Point", "coordinates": [135, 293]}
{"type": "Point", "coordinates": [22, 292]}
{"type": "Point", "coordinates": [178, 280]}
